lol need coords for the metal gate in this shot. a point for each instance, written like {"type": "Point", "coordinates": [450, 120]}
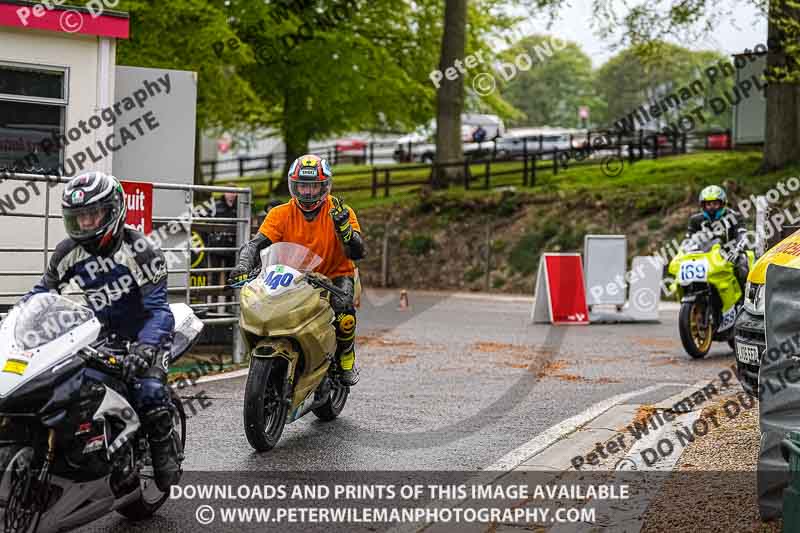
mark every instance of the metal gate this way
{"type": "Point", "coordinates": [32, 192]}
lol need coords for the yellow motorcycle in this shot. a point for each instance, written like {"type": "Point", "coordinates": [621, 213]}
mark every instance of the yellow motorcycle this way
{"type": "Point", "coordinates": [710, 295]}
{"type": "Point", "coordinates": [286, 322]}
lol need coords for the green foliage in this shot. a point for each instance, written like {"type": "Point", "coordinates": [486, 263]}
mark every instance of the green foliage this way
{"type": "Point", "coordinates": [369, 72]}
{"type": "Point", "coordinates": [498, 282]}
{"type": "Point", "coordinates": [655, 224]}
{"type": "Point", "coordinates": [570, 239]}
{"type": "Point", "coordinates": [419, 244]}
{"type": "Point", "coordinates": [552, 90]}
{"type": "Point", "coordinates": [524, 256]}
{"type": "Point", "coordinates": [648, 74]}
{"type": "Point", "coordinates": [508, 205]}
{"type": "Point", "coordinates": [498, 246]}
{"type": "Point", "coordinates": [473, 274]}
{"type": "Point", "coordinates": [181, 36]}
{"type": "Point", "coordinates": [366, 68]}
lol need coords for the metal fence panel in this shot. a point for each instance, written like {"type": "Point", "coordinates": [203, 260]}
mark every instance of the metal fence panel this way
{"type": "Point", "coordinates": [28, 241]}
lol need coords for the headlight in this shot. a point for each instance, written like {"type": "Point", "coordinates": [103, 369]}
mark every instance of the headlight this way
{"type": "Point", "coordinates": [754, 298]}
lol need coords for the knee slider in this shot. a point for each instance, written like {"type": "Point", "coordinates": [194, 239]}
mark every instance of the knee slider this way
{"type": "Point", "coordinates": [346, 323]}
{"type": "Point", "coordinates": [150, 395]}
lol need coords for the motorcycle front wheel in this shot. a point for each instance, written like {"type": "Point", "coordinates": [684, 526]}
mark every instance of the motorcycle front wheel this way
{"type": "Point", "coordinates": [264, 408]}
{"type": "Point", "coordinates": [695, 338]}
{"type": "Point", "coordinates": [18, 490]}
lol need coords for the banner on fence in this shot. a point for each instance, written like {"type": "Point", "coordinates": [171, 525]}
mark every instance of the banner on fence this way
{"type": "Point", "coordinates": [139, 201]}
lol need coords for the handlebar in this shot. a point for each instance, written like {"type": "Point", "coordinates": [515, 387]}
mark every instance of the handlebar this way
{"type": "Point", "coordinates": [313, 280]}
{"type": "Point", "coordinates": [108, 361]}
{"type": "Point", "coordinates": [330, 287]}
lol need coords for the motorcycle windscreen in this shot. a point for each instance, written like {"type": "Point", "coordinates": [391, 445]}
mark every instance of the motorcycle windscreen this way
{"type": "Point", "coordinates": [779, 385]}
{"type": "Point", "coordinates": [39, 333]}
{"type": "Point", "coordinates": [289, 254]}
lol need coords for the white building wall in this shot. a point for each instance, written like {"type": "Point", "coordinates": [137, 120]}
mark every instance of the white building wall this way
{"type": "Point", "coordinates": [90, 64]}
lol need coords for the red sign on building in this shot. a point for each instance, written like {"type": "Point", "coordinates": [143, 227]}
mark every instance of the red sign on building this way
{"type": "Point", "coordinates": [139, 201]}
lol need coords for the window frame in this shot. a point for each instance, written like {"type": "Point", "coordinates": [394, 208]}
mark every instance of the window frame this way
{"type": "Point", "coordinates": [35, 67]}
{"type": "Point", "coordinates": [62, 104]}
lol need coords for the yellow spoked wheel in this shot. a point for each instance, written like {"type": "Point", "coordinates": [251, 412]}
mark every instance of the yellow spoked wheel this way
{"type": "Point", "coordinates": [696, 338]}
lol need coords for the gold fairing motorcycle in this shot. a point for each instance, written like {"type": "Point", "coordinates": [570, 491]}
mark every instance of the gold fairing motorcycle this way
{"type": "Point", "coordinates": [287, 325]}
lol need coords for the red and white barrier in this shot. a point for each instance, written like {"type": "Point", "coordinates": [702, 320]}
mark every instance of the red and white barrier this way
{"type": "Point", "coordinates": [560, 291]}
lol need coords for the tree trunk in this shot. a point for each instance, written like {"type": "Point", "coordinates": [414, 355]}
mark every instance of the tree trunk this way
{"type": "Point", "coordinates": [782, 131]}
{"type": "Point", "coordinates": [294, 148]}
{"type": "Point", "coordinates": [450, 96]}
{"type": "Point", "coordinates": [295, 140]}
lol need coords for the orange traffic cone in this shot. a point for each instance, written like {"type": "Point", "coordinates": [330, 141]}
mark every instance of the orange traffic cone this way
{"type": "Point", "coordinates": [403, 301]}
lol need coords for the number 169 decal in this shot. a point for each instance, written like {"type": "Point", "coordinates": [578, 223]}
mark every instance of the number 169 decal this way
{"type": "Point", "coordinates": [693, 271]}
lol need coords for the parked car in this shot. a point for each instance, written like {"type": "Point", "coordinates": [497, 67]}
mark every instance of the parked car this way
{"type": "Point", "coordinates": [515, 144]}
{"type": "Point", "coordinates": [420, 144]}
{"type": "Point", "coordinates": [749, 333]}
{"type": "Point", "coordinates": [425, 152]}
{"type": "Point", "coordinates": [352, 149]}
{"type": "Point", "coordinates": [718, 141]}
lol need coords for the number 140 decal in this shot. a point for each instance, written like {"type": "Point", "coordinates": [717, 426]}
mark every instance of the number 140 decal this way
{"type": "Point", "coordinates": [273, 281]}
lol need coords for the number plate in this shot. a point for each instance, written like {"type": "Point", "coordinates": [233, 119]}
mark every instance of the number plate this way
{"type": "Point", "coordinates": [692, 271]}
{"type": "Point", "coordinates": [747, 353]}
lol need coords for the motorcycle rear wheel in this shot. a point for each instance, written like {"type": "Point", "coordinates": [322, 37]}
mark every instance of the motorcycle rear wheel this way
{"type": "Point", "coordinates": [151, 497]}
{"type": "Point", "coordinates": [696, 340]}
{"type": "Point", "coordinates": [335, 404]}
{"type": "Point", "coordinates": [264, 409]}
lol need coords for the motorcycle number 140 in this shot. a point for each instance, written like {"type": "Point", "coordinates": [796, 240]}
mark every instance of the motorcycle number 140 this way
{"type": "Point", "coordinates": [693, 271]}
{"type": "Point", "coordinates": [276, 278]}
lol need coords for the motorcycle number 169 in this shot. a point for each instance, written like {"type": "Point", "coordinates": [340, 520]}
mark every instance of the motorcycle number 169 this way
{"type": "Point", "coordinates": [693, 271]}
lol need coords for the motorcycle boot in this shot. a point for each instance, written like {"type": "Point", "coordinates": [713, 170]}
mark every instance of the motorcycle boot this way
{"type": "Point", "coordinates": [159, 428]}
{"type": "Point", "coordinates": [345, 323]}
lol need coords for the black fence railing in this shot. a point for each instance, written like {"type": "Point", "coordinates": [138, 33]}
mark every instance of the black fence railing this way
{"type": "Point", "coordinates": [484, 168]}
{"type": "Point", "coordinates": [499, 149]}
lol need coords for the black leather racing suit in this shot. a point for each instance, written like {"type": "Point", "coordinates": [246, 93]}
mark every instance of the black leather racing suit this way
{"type": "Point", "coordinates": [730, 231]}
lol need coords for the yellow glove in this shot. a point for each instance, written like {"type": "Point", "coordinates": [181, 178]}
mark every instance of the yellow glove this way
{"type": "Point", "coordinates": [340, 214]}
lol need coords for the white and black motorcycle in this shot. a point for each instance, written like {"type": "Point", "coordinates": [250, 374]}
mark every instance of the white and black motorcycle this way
{"type": "Point", "coordinates": [71, 446]}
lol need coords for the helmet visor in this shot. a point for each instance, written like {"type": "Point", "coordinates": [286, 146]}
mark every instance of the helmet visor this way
{"type": "Point", "coordinates": [309, 193]}
{"type": "Point", "coordinates": [84, 223]}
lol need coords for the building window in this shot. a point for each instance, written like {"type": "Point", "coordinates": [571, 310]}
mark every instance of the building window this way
{"type": "Point", "coordinates": [33, 102]}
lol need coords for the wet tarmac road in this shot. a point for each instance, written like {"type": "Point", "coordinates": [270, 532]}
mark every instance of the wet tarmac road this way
{"type": "Point", "coordinates": [453, 384]}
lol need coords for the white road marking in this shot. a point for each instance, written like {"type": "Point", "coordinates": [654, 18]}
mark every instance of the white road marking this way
{"type": "Point", "coordinates": [628, 515]}
{"type": "Point", "coordinates": [226, 375]}
{"type": "Point", "coordinates": [546, 439]}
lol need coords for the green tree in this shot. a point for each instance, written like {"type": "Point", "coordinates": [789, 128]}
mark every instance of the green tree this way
{"type": "Point", "coordinates": [183, 37]}
{"type": "Point", "coordinates": [559, 82]}
{"type": "Point", "coordinates": [687, 20]}
{"type": "Point", "coordinates": [365, 69]}
{"type": "Point", "coordinates": [647, 74]}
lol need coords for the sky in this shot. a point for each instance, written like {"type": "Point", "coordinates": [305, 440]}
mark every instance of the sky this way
{"type": "Point", "coordinates": [744, 30]}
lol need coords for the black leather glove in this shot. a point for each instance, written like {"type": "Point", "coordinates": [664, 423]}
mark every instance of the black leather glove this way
{"type": "Point", "coordinates": [238, 274]}
{"type": "Point", "coordinates": [340, 214]}
{"type": "Point", "coordinates": [139, 359]}
{"type": "Point", "coordinates": [249, 259]}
